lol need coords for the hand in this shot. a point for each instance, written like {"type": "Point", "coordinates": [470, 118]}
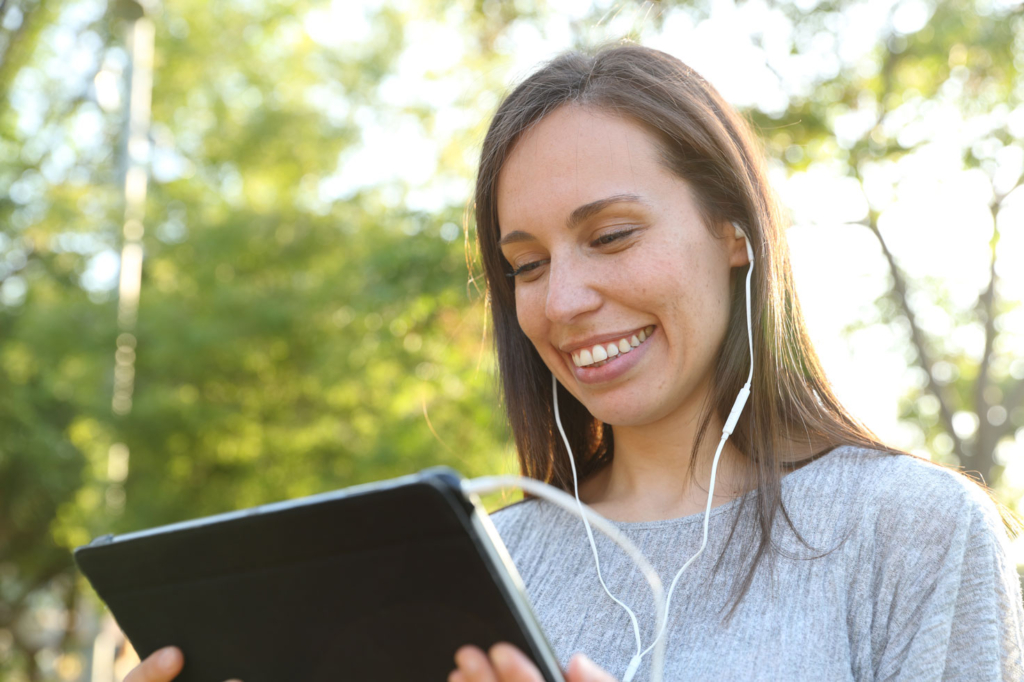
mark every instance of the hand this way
{"type": "Point", "coordinates": [162, 665]}
{"type": "Point", "coordinates": [508, 664]}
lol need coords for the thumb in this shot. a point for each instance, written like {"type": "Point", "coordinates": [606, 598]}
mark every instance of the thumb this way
{"type": "Point", "coordinates": [582, 669]}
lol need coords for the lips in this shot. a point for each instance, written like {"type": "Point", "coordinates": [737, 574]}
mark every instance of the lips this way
{"type": "Point", "coordinates": [600, 353]}
{"type": "Point", "coordinates": [610, 369]}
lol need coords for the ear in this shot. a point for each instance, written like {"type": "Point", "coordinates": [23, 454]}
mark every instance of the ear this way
{"type": "Point", "coordinates": [736, 241]}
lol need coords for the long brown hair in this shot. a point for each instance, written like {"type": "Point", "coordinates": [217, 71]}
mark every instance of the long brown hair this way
{"type": "Point", "coordinates": [705, 142]}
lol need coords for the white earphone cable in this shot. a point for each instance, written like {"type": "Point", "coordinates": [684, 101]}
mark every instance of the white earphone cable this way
{"type": "Point", "coordinates": [486, 484]}
{"type": "Point", "coordinates": [558, 497]}
{"type": "Point", "coordinates": [635, 662]}
{"type": "Point", "coordinates": [730, 424]}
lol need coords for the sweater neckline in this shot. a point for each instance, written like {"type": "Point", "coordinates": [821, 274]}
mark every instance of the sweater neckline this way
{"type": "Point", "coordinates": [785, 482]}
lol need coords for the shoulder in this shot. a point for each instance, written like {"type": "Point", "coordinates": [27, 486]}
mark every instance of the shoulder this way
{"type": "Point", "coordinates": [917, 485]}
{"type": "Point", "coordinates": [888, 479]}
{"type": "Point", "coordinates": [904, 495]}
{"type": "Point", "coordinates": [932, 572]}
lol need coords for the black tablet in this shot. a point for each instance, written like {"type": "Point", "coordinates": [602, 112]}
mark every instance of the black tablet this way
{"type": "Point", "coordinates": [379, 582]}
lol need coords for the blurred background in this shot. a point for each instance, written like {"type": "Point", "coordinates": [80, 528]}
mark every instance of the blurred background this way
{"type": "Point", "coordinates": [233, 240]}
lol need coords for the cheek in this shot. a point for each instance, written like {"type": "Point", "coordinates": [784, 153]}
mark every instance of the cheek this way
{"type": "Point", "coordinates": [686, 290]}
{"type": "Point", "coordinates": [530, 313]}
{"type": "Point", "coordinates": [675, 281]}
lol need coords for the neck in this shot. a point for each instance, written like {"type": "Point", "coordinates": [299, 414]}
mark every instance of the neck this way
{"type": "Point", "coordinates": [652, 475]}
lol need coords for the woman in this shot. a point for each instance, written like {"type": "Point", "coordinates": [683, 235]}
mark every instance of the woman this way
{"type": "Point", "coordinates": [605, 202]}
{"type": "Point", "coordinates": [615, 199]}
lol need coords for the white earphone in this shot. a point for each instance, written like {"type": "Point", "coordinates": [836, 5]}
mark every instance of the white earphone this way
{"type": "Point", "coordinates": [730, 424]}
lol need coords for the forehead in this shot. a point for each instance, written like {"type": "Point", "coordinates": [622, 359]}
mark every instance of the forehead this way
{"type": "Point", "coordinates": [571, 157]}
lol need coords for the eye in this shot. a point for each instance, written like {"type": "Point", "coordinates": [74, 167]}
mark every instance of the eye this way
{"type": "Point", "coordinates": [606, 239]}
{"type": "Point", "coordinates": [527, 267]}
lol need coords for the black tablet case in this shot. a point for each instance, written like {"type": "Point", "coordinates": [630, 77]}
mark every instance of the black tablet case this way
{"type": "Point", "coordinates": [381, 582]}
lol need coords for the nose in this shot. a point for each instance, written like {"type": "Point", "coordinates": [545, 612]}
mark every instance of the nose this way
{"type": "Point", "coordinates": [571, 292]}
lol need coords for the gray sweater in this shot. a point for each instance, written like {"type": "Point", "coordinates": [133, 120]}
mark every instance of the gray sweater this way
{"type": "Point", "coordinates": [923, 588]}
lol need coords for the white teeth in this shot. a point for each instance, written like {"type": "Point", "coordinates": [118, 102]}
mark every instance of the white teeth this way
{"type": "Point", "coordinates": [600, 353]}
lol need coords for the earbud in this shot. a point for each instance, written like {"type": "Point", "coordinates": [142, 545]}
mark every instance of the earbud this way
{"type": "Point", "coordinates": [740, 234]}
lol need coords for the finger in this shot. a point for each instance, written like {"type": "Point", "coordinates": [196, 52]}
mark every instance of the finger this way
{"type": "Point", "coordinates": [513, 665]}
{"type": "Point", "coordinates": [162, 665]}
{"type": "Point", "coordinates": [582, 669]}
{"type": "Point", "coordinates": [474, 665]}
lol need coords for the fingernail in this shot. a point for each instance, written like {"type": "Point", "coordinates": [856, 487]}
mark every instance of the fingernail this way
{"type": "Point", "coordinates": [586, 665]}
{"type": "Point", "coordinates": [168, 658]}
{"type": "Point", "coordinates": [467, 661]}
{"type": "Point", "coordinates": [501, 656]}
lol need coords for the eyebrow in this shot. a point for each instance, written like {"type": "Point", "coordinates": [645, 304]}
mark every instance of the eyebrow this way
{"type": "Point", "coordinates": [579, 215]}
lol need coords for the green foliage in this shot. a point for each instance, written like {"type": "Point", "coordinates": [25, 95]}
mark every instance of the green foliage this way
{"type": "Point", "coordinates": [286, 344]}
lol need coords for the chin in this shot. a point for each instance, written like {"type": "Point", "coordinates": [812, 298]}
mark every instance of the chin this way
{"type": "Point", "coordinates": [622, 415]}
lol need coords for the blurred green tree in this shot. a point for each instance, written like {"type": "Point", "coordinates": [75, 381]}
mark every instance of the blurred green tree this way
{"type": "Point", "coordinates": [279, 330]}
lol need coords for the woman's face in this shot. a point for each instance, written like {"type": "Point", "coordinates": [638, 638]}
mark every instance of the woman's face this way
{"type": "Point", "coordinates": [621, 288]}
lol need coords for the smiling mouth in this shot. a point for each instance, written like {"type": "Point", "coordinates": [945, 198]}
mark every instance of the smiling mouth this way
{"type": "Point", "coordinates": [603, 353]}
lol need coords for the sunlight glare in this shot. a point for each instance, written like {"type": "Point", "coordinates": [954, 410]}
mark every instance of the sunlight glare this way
{"type": "Point", "coordinates": [341, 24]}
